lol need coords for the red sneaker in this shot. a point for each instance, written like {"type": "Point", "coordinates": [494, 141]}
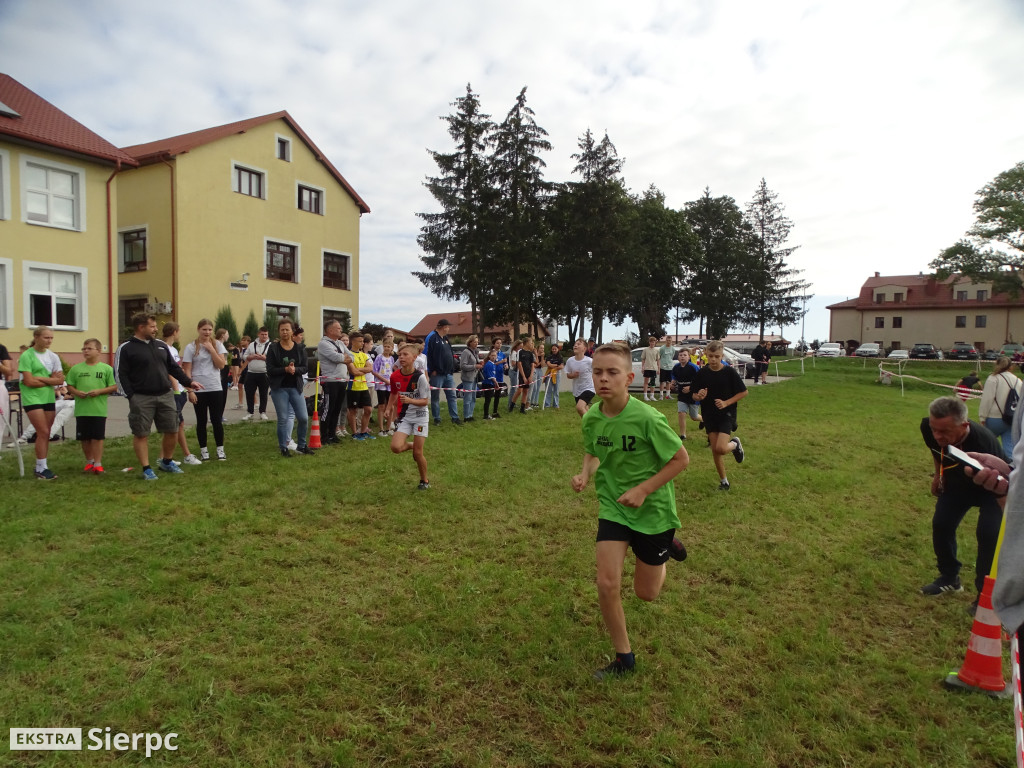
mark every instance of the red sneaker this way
{"type": "Point", "coordinates": [97, 470]}
{"type": "Point", "coordinates": [88, 467]}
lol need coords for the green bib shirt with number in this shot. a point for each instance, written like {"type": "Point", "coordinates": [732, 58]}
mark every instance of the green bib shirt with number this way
{"type": "Point", "coordinates": [632, 448]}
{"type": "Point", "coordinates": [29, 362]}
{"type": "Point", "coordinates": [86, 378]}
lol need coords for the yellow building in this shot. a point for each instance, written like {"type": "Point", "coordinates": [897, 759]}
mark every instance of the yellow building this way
{"type": "Point", "coordinates": [900, 311]}
{"type": "Point", "coordinates": [58, 267]}
{"type": "Point", "coordinates": [250, 215]}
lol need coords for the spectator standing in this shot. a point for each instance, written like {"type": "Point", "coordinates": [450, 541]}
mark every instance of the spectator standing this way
{"type": "Point", "coordinates": [441, 365]}
{"type": "Point", "coordinates": [41, 370]}
{"type": "Point", "coordinates": [91, 382]}
{"type": "Point", "coordinates": [666, 363]}
{"type": "Point", "coordinates": [539, 377]}
{"type": "Point", "coordinates": [649, 366]}
{"type": "Point", "coordinates": [999, 387]}
{"type": "Point", "coordinates": [238, 370]}
{"type": "Point", "coordinates": [553, 364]}
{"type": "Point", "coordinates": [286, 365]}
{"type": "Point", "coordinates": [170, 333]}
{"type": "Point", "coordinates": [6, 364]}
{"type": "Point", "coordinates": [469, 367]}
{"type": "Point", "coordinates": [383, 366]}
{"type": "Point", "coordinates": [513, 370]}
{"type": "Point", "coordinates": [143, 365]}
{"type": "Point", "coordinates": [527, 363]}
{"type": "Point", "coordinates": [335, 358]}
{"type": "Point", "coordinates": [493, 384]}
{"type": "Point", "coordinates": [256, 375]}
{"type": "Point", "coordinates": [203, 361]}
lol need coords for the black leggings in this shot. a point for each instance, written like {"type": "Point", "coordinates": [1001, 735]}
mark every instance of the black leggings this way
{"type": "Point", "coordinates": [212, 403]}
{"type": "Point", "coordinates": [495, 395]}
{"type": "Point", "coordinates": [254, 381]}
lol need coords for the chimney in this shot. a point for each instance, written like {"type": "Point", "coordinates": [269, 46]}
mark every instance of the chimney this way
{"type": "Point", "coordinates": [877, 275]}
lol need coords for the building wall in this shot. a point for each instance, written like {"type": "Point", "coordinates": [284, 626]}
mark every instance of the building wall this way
{"type": "Point", "coordinates": [81, 251]}
{"type": "Point", "coordinates": [222, 233]}
{"type": "Point", "coordinates": [935, 326]}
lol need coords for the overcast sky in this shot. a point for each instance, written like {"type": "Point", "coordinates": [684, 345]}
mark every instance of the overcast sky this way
{"type": "Point", "coordinates": [875, 122]}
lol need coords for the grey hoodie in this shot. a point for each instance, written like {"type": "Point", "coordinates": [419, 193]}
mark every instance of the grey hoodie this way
{"type": "Point", "coordinates": [468, 361]}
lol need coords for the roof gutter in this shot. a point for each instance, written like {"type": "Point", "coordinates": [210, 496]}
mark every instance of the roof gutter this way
{"type": "Point", "coordinates": [174, 242]}
{"type": "Point", "coordinates": [111, 291]}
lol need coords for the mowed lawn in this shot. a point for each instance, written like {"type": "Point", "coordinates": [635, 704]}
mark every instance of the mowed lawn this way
{"type": "Point", "coordinates": [320, 611]}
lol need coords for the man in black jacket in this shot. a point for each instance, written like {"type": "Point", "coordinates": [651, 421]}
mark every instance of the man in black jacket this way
{"type": "Point", "coordinates": [143, 366]}
{"type": "Point", "coordinates": [441, 366]}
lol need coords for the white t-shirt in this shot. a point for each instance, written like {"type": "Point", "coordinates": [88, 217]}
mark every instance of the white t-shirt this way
{"type": "Point", "coordinates": [257, 348]}
{"type": "Point", "coordinates": [202, 365]}
{"type": "Point", "coordinates": [585, 381]}
{"type": "Point", "coordinates": [175, 384]}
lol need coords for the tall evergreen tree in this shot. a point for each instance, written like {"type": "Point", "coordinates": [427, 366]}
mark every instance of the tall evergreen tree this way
{"type": "Point", "coordinates": [456, 241]}
{"type": "Point", "coordinates": [520, 234]}
{"type": "Point", "coordinates": [252, 326]}
{"type": "Point", "coordinates": [774, 292]}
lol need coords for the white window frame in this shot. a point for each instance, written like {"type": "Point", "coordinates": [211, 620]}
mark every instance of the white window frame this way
{"type": "Point", "coordinates": [6, 293]}
{"type": "Point", "coordinates": [264, 192]}
{"type": "Point", "coordinates": [80, 177]}
{"type": "Point", "coordinates": [83, 293]}
{"type": "Point", "coordinates": [323, 259]}
{"type": "Point", "coordinates": [315, 188]}
{"type": "Point", "coordinates": [5, 185]}
{"type": "Point", "coordinates": [121, 231]}
{"type": "Point", "coordinates": [279, 137]}
{"type": "Point", "coordinates": [281, 303]}
{"type": "Point", "coordinates": [351, 314]}
{"type": "Point", "coordinates": [298, 258]}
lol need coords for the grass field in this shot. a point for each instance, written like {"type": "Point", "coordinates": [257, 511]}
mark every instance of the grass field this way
{"type": "Point", "coordinates": [321, 612]}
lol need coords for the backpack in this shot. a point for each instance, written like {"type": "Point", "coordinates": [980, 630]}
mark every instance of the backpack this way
{"type": "Point", "coordinates": [1010, 406]}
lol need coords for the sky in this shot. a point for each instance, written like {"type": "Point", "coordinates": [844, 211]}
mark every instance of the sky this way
{"type": "Point", "coordinates": [875, 123]}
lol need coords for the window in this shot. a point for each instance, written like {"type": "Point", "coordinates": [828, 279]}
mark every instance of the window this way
{"type": "Point", "coordinates": [980, 321]}
{"type": "Point", "coordinates": [281, 310]}
{"type": "Point", "coordinates": [335, 270]}
{"type": "Point", "coordinates": [55, 297]}
{"type": "Point", "coordinates": [982, 295]}
{"type": "Point", "coordinates": [281, 261]}
{"type": "Point", "coordinates": [133, 251]}
{"type": "Point", "coordinates": [897, 297]}
{"type": "Point", "coordinates": [343, 316]}
{"type": "Point", "coordinates": [129, 308]}
{"type": "Point", "coordinates": [6, 293]}
{"type": "Point", "coordinates": [247, 181]}
{"type": "Point", "coordinates": [961, 295]}
{"type": "Point", "coordinates": [5, 184]}
{"type": "Point", "coordinates": [284, 149]}
{"type": "Point", "coordinates": [961, 321]}
{"type": "Point", "coordinates": [879, 298]}
{"type": "Point", "coordinates": [879, 322]}
{"type": "Point", "coordinates": [897, 345]}
{"type": "Point", "coordinates": [897, 322]}
{"type": "Point", "coordinates": [311, 200]}
{"type": "Point", "coordinates": [52, 194]}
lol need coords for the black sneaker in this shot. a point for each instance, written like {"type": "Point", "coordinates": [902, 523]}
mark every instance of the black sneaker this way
{"type": "Point", "coordinates": [676, 550]}
{"type": "Point", "coordinates": [496, 415]}
{"type": "Point", "coordinates": [45, 474]}
{"type": "Point", "coordinates": [942, 585]}
{"type": "Point", "coordinates": [682, 437]}
{"type": "Point", "coordinates": [286, 453]}
{"type": "Point", "coordinates": [737, 452]}
{"type": "Point", "coordinates": [423, 486]}
{"type": "Point", "coordinates": [724, 485]}
{"type": "Point", "coordinates": [700, 425]}
{"type": "Point", "coordinates": [305, 450]}
{"type": "Point", "coordinates": [615, 669]}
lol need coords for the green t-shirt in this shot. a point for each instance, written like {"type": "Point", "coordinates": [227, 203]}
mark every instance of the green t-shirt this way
{"type": "Point", "coordinates": [667, 355]}
{"type": "Point", "coordinates": [632, 448]}
{"type": "Point", "coordinates": [86, 378]}
{"type": "Point", "coordinates": [41, 367]}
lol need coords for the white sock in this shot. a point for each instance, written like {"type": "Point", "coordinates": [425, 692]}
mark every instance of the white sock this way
{"type": "Point", "coordinates": [40, 465]}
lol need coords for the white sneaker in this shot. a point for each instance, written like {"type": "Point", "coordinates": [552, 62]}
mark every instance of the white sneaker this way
{"type": "Point", "coordinates": [220, 453]}
{"type": "Point", "coordinates": [264, 417]}
{"type": "Point", "coordinates": [247, 417]}
{"type": "Point", "coordinates": [292, 445]}
{"type": "Point", "coordinates": [191, 459]}
{"type": "Point", "coordinates": [237, 407]}
{"type": "Point", "coordinates": [204, 454]}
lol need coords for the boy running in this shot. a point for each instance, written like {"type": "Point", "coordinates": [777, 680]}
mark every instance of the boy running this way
{"type": "Point", "coordinates": [634, 454]}
{"type": "Point", "coordinates": [579, 369]}
{"type": "Point", "coordinates": [683, 375]}
{"type": "Point", "coordinates": [718, 388]}
{"type": "Point", "coordinates": [410, 389]}
{"type": "Point", "coordinates": [91, 382]}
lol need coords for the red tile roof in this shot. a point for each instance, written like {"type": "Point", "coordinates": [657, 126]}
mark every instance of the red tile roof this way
{"type": "Point", "coordinates": [921, 292]}
{"type": "Point", "coordinates": [155, 151]}
{"type": "Point", "coordinates": [461, 325]}
{"type": "Point", "coordinates": [40, 122]}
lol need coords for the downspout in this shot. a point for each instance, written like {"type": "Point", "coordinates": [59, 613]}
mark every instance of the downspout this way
{"type": "Point", "coordinates": [174, 244]}
{"type": "Point", "coordinates": [111, 295]}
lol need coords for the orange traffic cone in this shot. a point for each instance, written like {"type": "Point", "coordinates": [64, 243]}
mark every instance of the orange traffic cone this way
{"type": "Point", "coordinates": [314, 432]}
{"type": "Point", "coordinates": [982, 671]}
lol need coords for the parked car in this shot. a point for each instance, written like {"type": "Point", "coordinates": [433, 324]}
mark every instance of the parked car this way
{"type": "Point", "coordinates": [961, 350]}
{"type": "Point", "coordinates": [830, 349]}
{"type": "Point", "coordinates": [990, 354]}
{"type": "Point", "coordinates": [1011, 350]}
{"type": "Point", "coordinates": [899, 354]}
{"type": "Point", "coordinates": [922, 351]}
{"type": "Point", "coordinates": [868, 349]}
